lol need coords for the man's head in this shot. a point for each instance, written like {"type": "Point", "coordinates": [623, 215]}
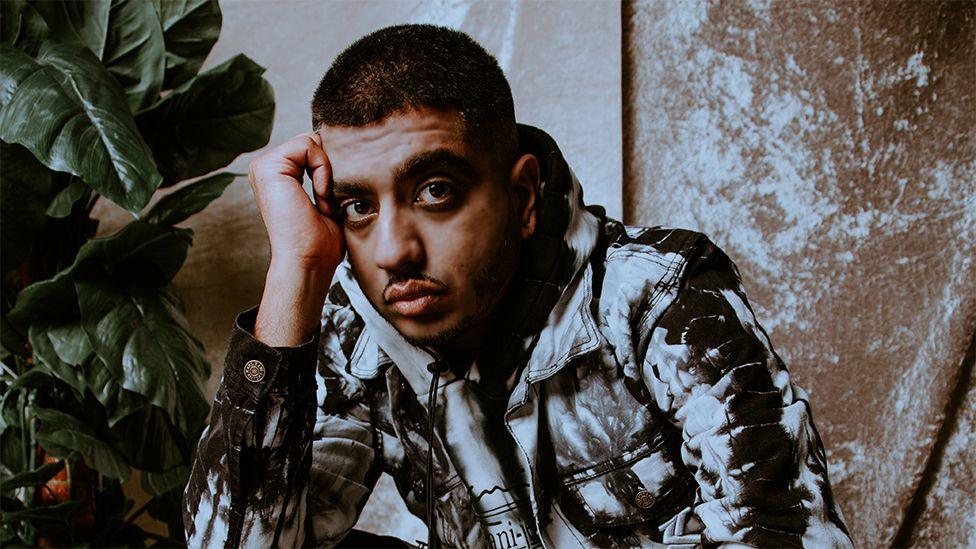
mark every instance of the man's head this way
{"type": "Point", "coordinates": [419, 126]}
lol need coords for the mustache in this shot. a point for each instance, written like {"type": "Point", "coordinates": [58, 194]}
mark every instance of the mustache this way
{"type": "Point", "coordinates": [401, 283]}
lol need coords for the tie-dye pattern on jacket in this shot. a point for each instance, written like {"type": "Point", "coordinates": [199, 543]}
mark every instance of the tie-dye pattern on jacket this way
{"type": "Point", "coordinates": [648, 407]}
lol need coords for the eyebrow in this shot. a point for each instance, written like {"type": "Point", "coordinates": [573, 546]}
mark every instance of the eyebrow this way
{"type": "Point", "coordinates": [411, 168]}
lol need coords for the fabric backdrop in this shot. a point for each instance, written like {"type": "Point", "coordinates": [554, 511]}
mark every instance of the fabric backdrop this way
{"type": "Point", "coordinates": [828, 147]}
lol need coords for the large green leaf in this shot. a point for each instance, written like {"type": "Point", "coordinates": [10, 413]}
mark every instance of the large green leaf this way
{"type": "Point", "coordinates": [62, 435]}
{"type": "Point", "coordinates": [141, 254]}
{"type": "Point", "coordinates": [13, 457]}
{"type": "Point", "coordinates": [25, 185]}
{"type": "Point", "coordinates": [12, 340]}
{"type": "Point", "coordinates": [21, 26]}
{"type": "Point", "coordinates": [70, 342]}
{"type": "Point", "coordinates": [157, 484]}
{"type": "Point", "coordinates": [36, 523]}
{"type": "Point", "coordinates": [151, 442]}
{"type": "Point", "coordinates": [189, 199]}
{"type": "Point", "coordinates": [65, 200]}
{"type": "Point", "coordinates": [85, 22]}
{"type": "Point", "coordinates": [40, 475]}
{"type": "Point", "coordinates": [11, 406]}
{"type": "Point", "coordinates": [46, 356]}
{"type": "Point", "coordinates": [147, 334]}
{"type": "Point", "coordinates": [118, 402]}
{"type": "Point", "coordinates": [4, 423]}
{"type": "Point", "coordinates": [210, 120]}
{"type": "Point", "coordinates": [168, 508]}
{"type": "Point", "coordinates": [31, 379]}
{"type": "Point", "coordinates": [97, 454]}
{"type": "Point", "coordinates": [73, 116]}
{"type": "Point", "coordinates": [43, 515]}
{"type": "Point", "coordinates": [52, 299]}
{"type": "Point", "coordinates": [190, 28]}
{"type": "Point", "coordinates": [135, 52]}
{"type": "Point", "coordinates": [126, 35]}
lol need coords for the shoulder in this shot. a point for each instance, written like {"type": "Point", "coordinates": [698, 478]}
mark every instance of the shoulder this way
{"type": "Point", "coordinates": [652, 240]}
{"type": "Point", "coordinates": [642, 262]}
{"type": "Point", "coordinates": [680, 245]}
{"type": "Point", "coordinates": [640, 271]}
{"type": "Point", "coordinates": [662, 256]}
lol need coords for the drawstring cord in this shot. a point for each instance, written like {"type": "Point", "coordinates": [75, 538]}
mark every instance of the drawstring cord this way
{"type": "Point", "coordinates": [436, 368]}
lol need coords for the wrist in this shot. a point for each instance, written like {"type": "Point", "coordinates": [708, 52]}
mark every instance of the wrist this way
{"type": "Point", "coordinates": [300, 283]}
{"type": "Point", "coordinates": [291, 305]}
{"type": "Point", "coordinates": [302, 265]}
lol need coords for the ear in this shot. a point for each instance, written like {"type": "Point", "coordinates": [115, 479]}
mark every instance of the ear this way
{"type": "Point", "coordinates": [524, 181]}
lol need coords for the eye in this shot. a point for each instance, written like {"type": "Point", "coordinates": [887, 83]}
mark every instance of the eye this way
{"type": "Point", "coordinates": [357, 210]}
{"type": "Point", "coordinates": [437, 192]}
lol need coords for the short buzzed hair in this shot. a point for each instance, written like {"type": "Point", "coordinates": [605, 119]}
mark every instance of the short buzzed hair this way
{"type": "Point", "coordinates": [411, 66]}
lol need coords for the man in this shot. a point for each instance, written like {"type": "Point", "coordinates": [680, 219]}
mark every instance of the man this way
{"type": "Point", "coordinates": [530, 372]}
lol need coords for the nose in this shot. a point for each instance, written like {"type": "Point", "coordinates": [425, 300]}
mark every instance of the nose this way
{"type": "Point", "coordinates": [398, 247]}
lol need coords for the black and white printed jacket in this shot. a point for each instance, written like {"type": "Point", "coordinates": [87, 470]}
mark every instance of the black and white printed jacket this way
{"type": "Point", "coordinates": [648, 407]}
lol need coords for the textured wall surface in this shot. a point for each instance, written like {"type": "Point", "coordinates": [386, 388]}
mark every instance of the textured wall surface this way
{"type": "Point", "coordinates": [945, 510]}
{"type": "Point", "coordinates": [828, 147]}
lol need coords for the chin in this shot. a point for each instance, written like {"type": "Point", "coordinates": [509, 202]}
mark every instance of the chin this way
{"type": "Point", "coordinates": [420, 332]}
{"type": "Point", "coordinates": [429, 333]}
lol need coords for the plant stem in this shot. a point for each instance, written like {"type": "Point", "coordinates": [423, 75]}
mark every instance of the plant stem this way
{"type": "Point", "coordinates": [29, 427]}
{"type": "Point", "coordinates": [91, 202]}
{"type": "Point", "coordinates": [142, 509]}
{"type": "Point", "coordinates": [24, 434]}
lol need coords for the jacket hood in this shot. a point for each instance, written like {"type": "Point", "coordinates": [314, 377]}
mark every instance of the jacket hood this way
{"type": "Point", "coordinates": [541, 302]}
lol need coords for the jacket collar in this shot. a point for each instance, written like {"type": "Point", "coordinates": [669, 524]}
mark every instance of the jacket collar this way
{"type": "Point", "coordinates": [548, 308]}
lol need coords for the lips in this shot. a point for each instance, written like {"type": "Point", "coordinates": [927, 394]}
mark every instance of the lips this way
{"type": "Point", "coordinates": [413, 297]}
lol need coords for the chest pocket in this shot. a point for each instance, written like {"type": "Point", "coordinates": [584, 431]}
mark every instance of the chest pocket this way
{"type": "Point", "coordinates": [641, 487]}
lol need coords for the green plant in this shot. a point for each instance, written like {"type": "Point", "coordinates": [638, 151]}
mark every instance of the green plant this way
{"type": "Point", "coordinates": [101, 375]}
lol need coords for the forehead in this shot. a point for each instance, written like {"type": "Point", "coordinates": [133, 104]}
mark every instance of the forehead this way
{"type": "Point", "coordinates": [374, 152]}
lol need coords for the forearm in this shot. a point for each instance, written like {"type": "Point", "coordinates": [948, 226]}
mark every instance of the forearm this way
{"type": "Point", "coordinates": [291, 305]}
{"type": "Point", "coordinates": [253, 459]}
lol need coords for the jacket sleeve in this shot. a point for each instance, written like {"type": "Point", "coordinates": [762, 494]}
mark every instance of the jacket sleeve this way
{"type": "Point", "coordinates": [747, 431]}
{"type": "Point", "coordinates": [272, 457]}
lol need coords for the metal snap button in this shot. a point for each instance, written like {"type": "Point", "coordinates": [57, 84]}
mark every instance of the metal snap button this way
{"type": "Point", "coordinates": [254, 371]}
{"type": "Point", "coordinates": [644, 499]}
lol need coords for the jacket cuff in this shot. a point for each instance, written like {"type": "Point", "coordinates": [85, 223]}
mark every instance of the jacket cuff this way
{"type": "Point", "coordinates": [252, 368]}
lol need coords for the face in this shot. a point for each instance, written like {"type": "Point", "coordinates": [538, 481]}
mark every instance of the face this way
{"type": "Point", "coordinates": [433, 225]}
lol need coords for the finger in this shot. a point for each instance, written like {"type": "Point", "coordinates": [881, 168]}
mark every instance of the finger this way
{"type": "Point", "coordinates": [303, 154]}
{"type": "Point", "coordinates": [292, 157]}
{"type": "Point", "coordinates": [320, 198]}
{"type": "Point", "coordinates": [321, 176]}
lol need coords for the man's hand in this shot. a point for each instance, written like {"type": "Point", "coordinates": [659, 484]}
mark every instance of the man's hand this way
{"type": "Point", "coordinates": [306, 243]}
{"type": "Point", "coordinates": [301, 233]}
